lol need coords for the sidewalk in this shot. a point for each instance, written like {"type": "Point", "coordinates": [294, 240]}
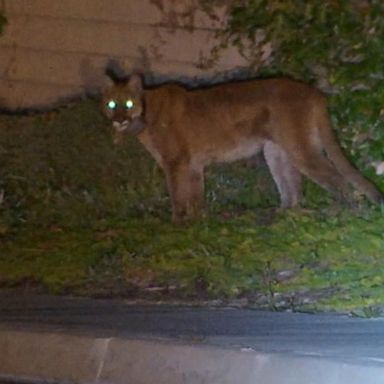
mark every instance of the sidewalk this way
{"type": "Point", "coordinates": [100, 341]}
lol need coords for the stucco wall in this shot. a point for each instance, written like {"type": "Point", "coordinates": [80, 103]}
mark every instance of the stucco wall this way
{"type": "Point", "coordinates": [52, 49]}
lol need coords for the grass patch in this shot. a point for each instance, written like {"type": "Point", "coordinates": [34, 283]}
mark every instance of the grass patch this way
{"type": "Point", "coordinates": [80, 216]}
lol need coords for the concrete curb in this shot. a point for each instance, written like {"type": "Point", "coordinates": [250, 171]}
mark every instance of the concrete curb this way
{"type": "Point", "coordinates": [71, 357]}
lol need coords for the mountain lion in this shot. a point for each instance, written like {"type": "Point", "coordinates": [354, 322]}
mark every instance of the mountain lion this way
{"type": "Point", "coordinates": [186, 130]}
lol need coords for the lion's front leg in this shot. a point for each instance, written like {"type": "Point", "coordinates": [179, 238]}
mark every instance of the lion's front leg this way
{"type": "Point", "coordinates": [186, 190]}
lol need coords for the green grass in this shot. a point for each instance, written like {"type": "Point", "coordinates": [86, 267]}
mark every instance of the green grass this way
{"type": "Point", "coordinates": [81, 216]}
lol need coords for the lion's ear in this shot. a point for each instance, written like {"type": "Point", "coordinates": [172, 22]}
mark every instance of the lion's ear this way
{"type": "Point", "coordinates": [135, 83]}
{"type": "Point", "coordinates": [108, 82]}
{"type": "Point", "coordinates": [114, 75]}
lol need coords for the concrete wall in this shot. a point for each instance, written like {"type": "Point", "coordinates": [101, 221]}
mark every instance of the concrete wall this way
{"type": "Point", "coordinates": [52, 49]}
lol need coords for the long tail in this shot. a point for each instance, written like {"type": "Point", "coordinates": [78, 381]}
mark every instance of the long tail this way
{"type": "Point", "coordinates": [335, 154]}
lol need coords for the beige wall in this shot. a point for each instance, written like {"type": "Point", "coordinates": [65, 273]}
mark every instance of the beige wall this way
{"type": "Point", "coordinates": [52, 49]}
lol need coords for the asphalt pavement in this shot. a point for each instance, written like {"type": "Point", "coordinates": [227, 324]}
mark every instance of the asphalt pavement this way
{"type": "Point", "coordinates": [84, 340]}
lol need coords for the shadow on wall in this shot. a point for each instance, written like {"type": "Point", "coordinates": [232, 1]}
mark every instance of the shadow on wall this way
{"type": "Point", "coordinates": [93, 76]}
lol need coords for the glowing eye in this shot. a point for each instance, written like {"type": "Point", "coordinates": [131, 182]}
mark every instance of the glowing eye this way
{"type": "Point", "coordinates": [111, 104]}
{"type": "Point", "coordinates": [129, 104]}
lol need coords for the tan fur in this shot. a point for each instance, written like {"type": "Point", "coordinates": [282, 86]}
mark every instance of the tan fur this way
{"type": "Point", "coordinates": [187, 130]}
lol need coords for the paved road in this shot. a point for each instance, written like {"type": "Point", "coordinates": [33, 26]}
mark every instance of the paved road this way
{"type": "Point", "coordinates": [327, 335]}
